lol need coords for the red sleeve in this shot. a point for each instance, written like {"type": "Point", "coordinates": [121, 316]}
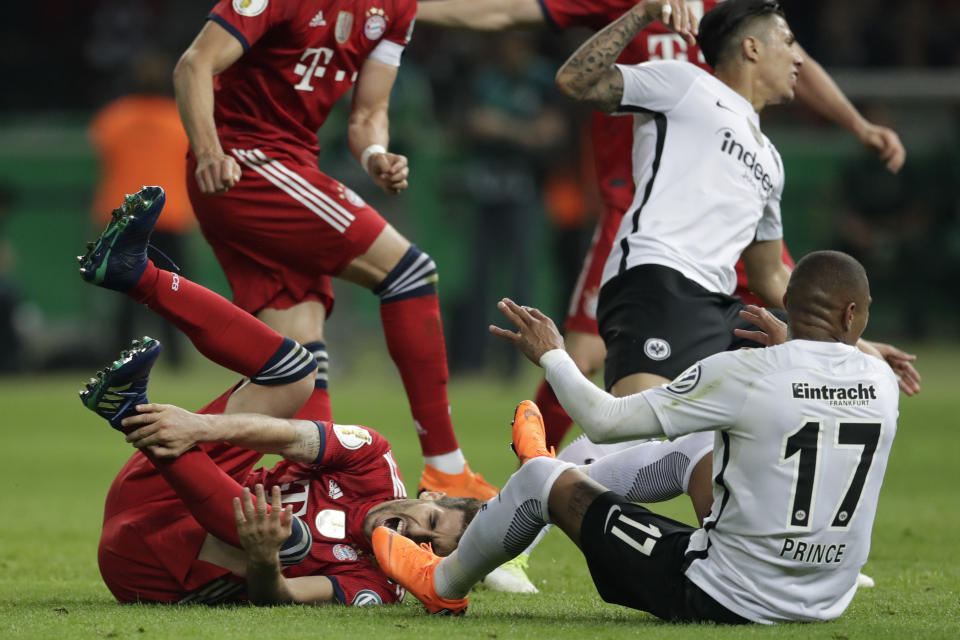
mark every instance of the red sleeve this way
{"type": "Point", "coordinates": [248, 20]}
{"type": "Point", "coordinates": [400, 27]}
{"type": "Point", "coordinates": [349, 446]}
{"type": "Point", "coordinates": [363, 585]}
{"type": "Point", "coordinates": [596, 14]}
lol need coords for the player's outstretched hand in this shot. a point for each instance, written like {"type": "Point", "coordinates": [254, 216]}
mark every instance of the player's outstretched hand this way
{"type": "Point", "coordinates": [773, 331]}
{"type": "Point", "coordinates": [166, 430]}
{"type": "Point", "coordinates": [674, 15]}
{"type": "Point", "coordinates": [886, 143]}
{"type": "Point", "coordinates": [902, 364]}
{"type": "Point", "coordinates": [261, 533]}
{"type": "Point", "coordinates": [216, 173]}
{"type": "Point", "coordinates": [390, 171]}
{"type": "Point", "coordinates": [535, 335]}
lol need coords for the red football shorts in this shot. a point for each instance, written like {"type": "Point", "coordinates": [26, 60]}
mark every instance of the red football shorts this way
{"type": "Point", "coordinates": [283, 230]}
{"type": "Point", "coordinates": [149, 544]}
{"type": "Point", "coordinates": [582, 312]}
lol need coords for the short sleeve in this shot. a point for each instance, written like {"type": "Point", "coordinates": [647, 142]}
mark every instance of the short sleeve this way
{"type": "Point", "coordinates": [657, 86]}
{"type": "Point", "coordinates": [596, 14]}
{"type": "Point", "coordinates": [248, 20]}
{"type": "Point", "coordinates": [709, 395]}
{"type": "Point", "coordinates": [770, 226]}
{"type": "Point", "coordinates": [400, 28]}
{"type": "Point", "coordinates": [349, 446]}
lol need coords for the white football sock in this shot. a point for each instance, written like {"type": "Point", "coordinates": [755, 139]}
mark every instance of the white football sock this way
{"type": "Point", "coordinates": [653, 471]}
{"type": "Point", "coordinates": [452, 463]}
{"type": "Point", "coordinates": [582, 451]}
{"type": "Point", "coordinates": [502, 529]}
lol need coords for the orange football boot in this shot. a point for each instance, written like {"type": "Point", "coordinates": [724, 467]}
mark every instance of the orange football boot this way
{"type": "Point", "coordinates": [465, 484]}
{"type": "Point", "coordinates": [411, 566]}
{"type": "Point", "coordinates": [529, 440]}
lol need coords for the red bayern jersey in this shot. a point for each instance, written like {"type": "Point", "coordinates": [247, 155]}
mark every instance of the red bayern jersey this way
{"type": "Point", "coordinates": [354, 472]}
{"type": "Point", "coordinates": [299, 57]}
{"type": "Point", "coordinates": [613, 135]}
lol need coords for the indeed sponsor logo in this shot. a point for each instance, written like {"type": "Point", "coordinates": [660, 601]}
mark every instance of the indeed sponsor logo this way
{"type": "Point", "coordinates": [847, 396]}
{"type": "Point", "coordinates": [730, 146]}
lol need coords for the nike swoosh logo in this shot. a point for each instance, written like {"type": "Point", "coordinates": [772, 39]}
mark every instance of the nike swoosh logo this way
{"type": "Point", "coordinates": [723, 106]}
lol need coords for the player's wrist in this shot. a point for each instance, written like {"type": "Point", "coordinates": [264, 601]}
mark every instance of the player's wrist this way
{"type": "Point", "coordinates": [368, 153]}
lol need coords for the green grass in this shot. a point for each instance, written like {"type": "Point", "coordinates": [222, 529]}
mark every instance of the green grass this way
{"type": "Point", "coordinates": [59, 461]}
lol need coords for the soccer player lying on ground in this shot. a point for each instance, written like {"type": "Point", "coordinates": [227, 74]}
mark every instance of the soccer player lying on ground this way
{"type": "Point", "coordinates": [803, 432]}
{"type": "Point", "coordinates": [180, 524]}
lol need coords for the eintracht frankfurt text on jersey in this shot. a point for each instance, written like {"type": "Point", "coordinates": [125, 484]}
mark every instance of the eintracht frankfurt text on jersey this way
{"type": "Point", "coordinates": [803, 434]}
{"type": "Point", "coordinates": [708, 182]}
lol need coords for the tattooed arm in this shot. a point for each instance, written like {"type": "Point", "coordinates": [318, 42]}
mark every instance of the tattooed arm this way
{"type": "Point", "coordinates": [168, 431]}
{"type": "Point", "coordinates": [589, 75]}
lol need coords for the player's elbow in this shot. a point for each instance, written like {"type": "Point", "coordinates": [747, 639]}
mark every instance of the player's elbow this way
{"type": "Point", "coordinates": [185, 67]}
{"type": "Point", "coordinates": [566, 83]}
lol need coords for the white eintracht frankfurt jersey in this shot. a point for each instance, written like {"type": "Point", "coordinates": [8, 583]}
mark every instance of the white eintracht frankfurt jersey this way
{"type": "Point", "coordinates": [803, 436]}
{"type": "Point", "coordinates": [708, 182]}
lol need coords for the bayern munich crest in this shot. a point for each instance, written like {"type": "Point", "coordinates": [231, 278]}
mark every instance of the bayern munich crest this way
{"type": "Point", "coordinates": [686, 381]}
{"type": "Point", "coordinates": [376, 24]}
{"type": "Point", "coordinates": [351, 196]}
{"type": "Point", "coordinates": [345, 553]}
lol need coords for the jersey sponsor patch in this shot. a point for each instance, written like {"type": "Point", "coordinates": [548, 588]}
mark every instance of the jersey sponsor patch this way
{"type": "Point", "coordinates": [656, 348]}
{"type": "Point", "coordinates": [352, 436]}
{"type": "Point", "coordinates": [250, 8]}
{"type": "Point", "coordinates": [344, 26]}
{"type": "Point", "coordinates": [365, 598]}
{"type": "Point", "coordinates": [345, 553]}
{"type": "Point", "coordinates": [686, 381]}
{"type": "Point", "coordinates": [331, 523]}
{"type": "Point", "coordinates": [376, 24]}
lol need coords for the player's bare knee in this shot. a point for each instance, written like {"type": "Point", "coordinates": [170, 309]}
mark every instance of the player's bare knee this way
{"type": "Point", "coordinates": [571, 495]}
{"type": "Point", "coordinates": [586, 350]}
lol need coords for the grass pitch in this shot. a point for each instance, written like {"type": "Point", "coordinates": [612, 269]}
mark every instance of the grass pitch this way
{"type": "Point", "coordinates": [60, 459]}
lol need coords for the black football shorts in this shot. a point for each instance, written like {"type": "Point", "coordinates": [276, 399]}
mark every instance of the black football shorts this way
{"type": "Point", "coordinates": [655, 320]}
{"type": "Point", "coordinates": [637, 560]}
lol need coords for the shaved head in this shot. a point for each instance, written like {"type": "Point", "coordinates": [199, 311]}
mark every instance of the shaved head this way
{"type": "Point", "coordinates": [824, 288]}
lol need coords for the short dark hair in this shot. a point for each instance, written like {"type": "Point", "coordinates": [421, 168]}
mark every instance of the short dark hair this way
{"type": "Point", "coordinates": [726, 22]}
{"type": "Point", "coordinates": [826, 281]}
{"type": "Point", "coordinates": [469, 506]}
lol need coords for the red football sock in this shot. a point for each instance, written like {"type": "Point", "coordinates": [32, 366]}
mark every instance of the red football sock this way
{"type": "Point", "coordinates": [317, 407]}
{"type": "Point", "coordinates": [414, 335]}
{"type": "Point", "coordinates": [205, 489]}
{"type": "Point", "coordinates": [221, 331]}
{"type": "Point", "coordinates": [556, 422]}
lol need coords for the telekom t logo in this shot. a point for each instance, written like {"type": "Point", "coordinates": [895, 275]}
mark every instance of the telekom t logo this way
{"type": "Point", "coordinates": [313, 68]}
{"type": "Point", "coordinates": [670, 46]}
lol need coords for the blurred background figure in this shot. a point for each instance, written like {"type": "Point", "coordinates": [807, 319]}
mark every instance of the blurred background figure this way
{"type": "Point", "coordinates": [514, 127]}
{"type": "Point", "coordinates": [139, 141]}
{"type": "Point", "coordinates": [11, 340]}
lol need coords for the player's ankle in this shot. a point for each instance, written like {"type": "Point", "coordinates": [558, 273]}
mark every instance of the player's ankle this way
{"type": "Point", "coordinates": [451, 463]}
